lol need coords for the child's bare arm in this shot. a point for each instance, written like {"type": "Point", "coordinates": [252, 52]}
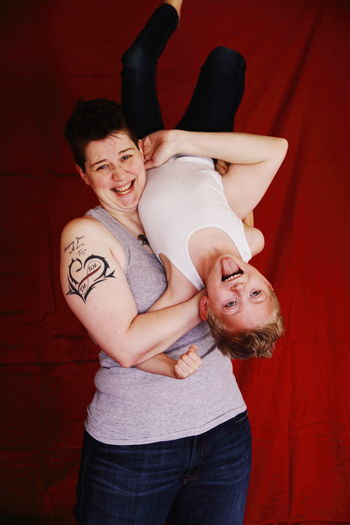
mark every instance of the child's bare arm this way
{"type": "Point", "coordinates": [249, 219]}
{"type": "Point", "coordinates": [222, 167]}
{"type": "Point", "coordinates": [254, 160]}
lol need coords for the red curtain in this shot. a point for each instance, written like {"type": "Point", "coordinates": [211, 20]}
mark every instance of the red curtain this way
{"type": "Point", "coordinates": [297, 53]}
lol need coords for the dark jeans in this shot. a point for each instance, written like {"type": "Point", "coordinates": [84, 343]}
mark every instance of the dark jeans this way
{"type": "Point", "coordinates": [200, 480]}
{"type": "Point", "coordinates": [217, 94]}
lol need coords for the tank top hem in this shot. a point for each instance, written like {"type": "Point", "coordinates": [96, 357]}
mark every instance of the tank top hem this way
{"type": "Point", "coordinates": [95, 431]}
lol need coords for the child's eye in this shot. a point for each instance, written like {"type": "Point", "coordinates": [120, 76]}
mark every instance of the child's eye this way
{"type": "Point", "coordinates": [125, 157]}
{"type": "Point", "coordinates": [231, 304]}
{"type": "Point", "coordinates": [256, 293]}
{"type": "Point", "coordinates": [102, 167]}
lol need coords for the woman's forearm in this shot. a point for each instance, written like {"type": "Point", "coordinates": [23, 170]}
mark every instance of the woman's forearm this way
{"type": "Point", "coordinates": [160, 364]}
{"type": "Point", "coordinates": [186, 315]}
{"type": "Point", "coordinates": [187, 364]}
{"type": "Point", "coordinates": [147, 334]}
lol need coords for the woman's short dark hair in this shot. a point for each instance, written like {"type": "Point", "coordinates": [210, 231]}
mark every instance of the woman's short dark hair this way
{"type": "Point", "coordinates": [94, 120]}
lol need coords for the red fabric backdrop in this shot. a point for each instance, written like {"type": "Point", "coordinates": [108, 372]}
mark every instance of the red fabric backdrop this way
{"type": "Point", "coordinates": [298, 56]}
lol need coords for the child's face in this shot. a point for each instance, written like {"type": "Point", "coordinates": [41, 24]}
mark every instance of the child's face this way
{"type": "Point", "coordinates": [238, 295]}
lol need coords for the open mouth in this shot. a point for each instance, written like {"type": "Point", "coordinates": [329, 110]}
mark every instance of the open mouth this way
{"type": "Point", "coordinates": [230, 270]}
{"type": "Point", "coordinates": [123, 190]}
{"type": "Point", "coordinates": [232, 276]}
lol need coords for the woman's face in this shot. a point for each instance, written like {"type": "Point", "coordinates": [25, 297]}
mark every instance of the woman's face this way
{"type": "Point", "coordinates": [115, 171]}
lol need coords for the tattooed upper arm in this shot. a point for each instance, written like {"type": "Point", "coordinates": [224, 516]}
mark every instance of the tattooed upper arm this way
{"type": "Point", "coordinates": [87, 260]}
{"type": "Point", "coordinates": [85, 273]}
{"type": "Point", "coordinates": [84, 270]}
{"type": "Point", "coordinates": [93, 281]}
{"type": "Point", "coordinates": [76, 245]}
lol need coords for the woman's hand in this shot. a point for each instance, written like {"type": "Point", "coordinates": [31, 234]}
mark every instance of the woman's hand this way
{"type": "Point", "coordinates": [221, 167]}
{"type": "Point", "coordinates": [188, 363]}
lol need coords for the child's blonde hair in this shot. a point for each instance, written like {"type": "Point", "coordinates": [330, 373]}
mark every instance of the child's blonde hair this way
{"type": "Point", "coordinates": [254, 342]}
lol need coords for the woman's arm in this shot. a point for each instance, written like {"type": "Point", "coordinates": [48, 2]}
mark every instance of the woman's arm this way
{"type": "Point", "coordinates": [98, 293]}
{"type": "Point", "coordinates": [254, 160]}
{"type": "Point", "coordinates": [161, 364]}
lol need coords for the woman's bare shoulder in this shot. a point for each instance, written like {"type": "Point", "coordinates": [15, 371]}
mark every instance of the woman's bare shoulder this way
{"type": "Point", "coordinates": [94, 235]}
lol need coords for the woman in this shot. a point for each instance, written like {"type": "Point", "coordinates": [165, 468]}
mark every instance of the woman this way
{"type": "Point", "coordinates": [154, 448]}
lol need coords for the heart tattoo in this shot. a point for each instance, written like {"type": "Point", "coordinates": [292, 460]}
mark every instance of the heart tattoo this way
{"type": "Point", "coordinates": [83, 276]}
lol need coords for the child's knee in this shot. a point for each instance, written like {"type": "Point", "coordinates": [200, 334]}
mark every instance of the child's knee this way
{"type": "Point", "coordinates": [135, 57]}
{"type": "Point", "coordinates": [225, 57]}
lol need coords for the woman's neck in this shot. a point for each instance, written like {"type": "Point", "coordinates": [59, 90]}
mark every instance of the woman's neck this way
{"type": "Point", "coordinates": [131, 221]}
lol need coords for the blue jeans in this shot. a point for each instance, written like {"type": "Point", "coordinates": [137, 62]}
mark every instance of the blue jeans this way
{"type": "Point", "coordinates": [217, 94]}
{"type": "Point", "coordinates": [199, 480]}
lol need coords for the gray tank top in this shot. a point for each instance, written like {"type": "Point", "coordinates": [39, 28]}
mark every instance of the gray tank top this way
{"type": "Point", "coordinates": [134, 407]}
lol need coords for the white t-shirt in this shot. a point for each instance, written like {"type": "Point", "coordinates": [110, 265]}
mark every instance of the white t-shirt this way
{"type": "Point", "coordinates": [182, 196]}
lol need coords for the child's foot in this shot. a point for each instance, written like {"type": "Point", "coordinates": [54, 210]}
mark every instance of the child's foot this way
{"type": "Point", "coordinates": [175, 3]}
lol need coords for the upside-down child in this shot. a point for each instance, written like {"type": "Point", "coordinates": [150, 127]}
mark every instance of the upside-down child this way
{"type": "Point", "coordinates": [193, 218]}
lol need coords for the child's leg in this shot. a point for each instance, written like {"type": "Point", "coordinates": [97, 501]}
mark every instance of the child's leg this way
{"type": "Point", "coordinates": [139, 94]}
{"type": "Point", "coordinates": [217, 94]}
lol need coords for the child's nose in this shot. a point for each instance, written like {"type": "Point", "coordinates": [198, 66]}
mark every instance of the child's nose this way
{"type": "Point", "coordinates": [238, 283]}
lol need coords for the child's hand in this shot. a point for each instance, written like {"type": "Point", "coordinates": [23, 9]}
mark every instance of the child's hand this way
{"type": "Point", "coordinates": [158, 147]}
{"type": "Point", "coordinates": [188, 363]}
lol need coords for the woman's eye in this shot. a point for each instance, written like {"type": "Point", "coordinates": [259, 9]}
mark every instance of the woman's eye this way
{"type": "Point", "coordinates": [125, 157]}
{"type": "Point", "coordinates": [102, 167]}
{"type": "Point", "coordinates": [231, 304]}
{"type": "Point", "coordinates": [256, 293]}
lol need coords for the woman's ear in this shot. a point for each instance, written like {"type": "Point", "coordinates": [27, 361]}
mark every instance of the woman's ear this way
{"type": "Point", "coordinates": [140, 146]}
{"type": "Point", "coordinates": [203, 308]}
{"type": "Point", "coordinates": [82, 174]}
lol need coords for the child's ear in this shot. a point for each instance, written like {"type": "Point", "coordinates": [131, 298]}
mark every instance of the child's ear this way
{"type": "Point", "coordinates": [203, 308]}
{"type": "Point", "coordinates": [82, 174]}
{"type": "Point", "coordinates": [269, 285]}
